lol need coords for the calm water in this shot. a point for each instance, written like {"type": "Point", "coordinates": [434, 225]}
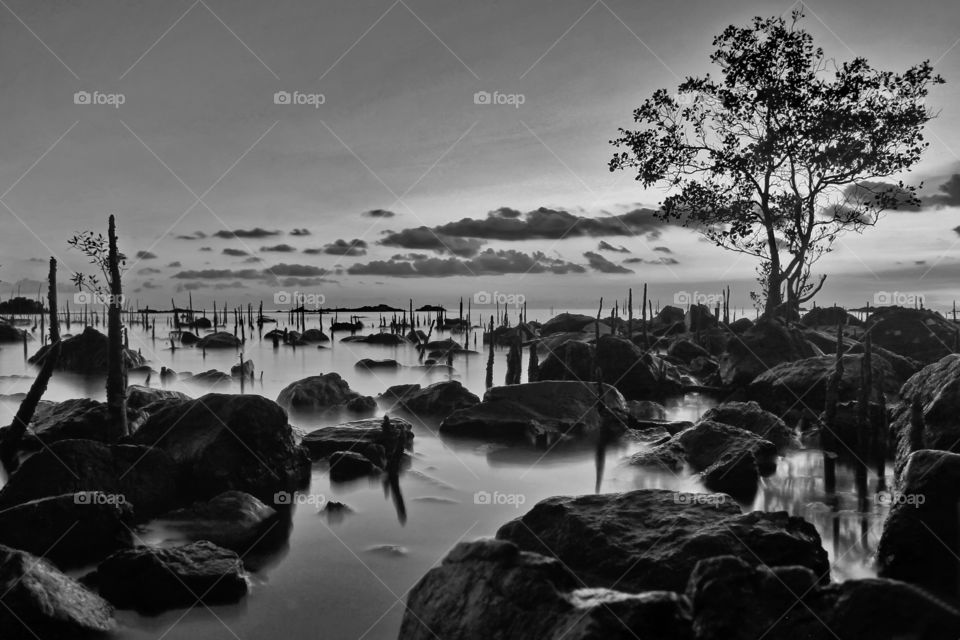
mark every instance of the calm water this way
{"type": "Point", "coordinates": [349, 579]}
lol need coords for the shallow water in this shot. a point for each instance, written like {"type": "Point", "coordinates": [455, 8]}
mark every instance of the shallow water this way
{"type": "Point", "coordinates": [349, 579]}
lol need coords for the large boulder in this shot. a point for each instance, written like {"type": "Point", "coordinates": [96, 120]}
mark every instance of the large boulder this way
{"type": "Point", "coordinates": [365, 437]}
{"type": "Point", "coordinates": [325, 393]}
{"type": "Point", "coordinates": [79, 418]}
{"type": "Point", "coordinates": [699, 317]}
{"type": "Point", "coordinates": [314, 335]}
{"type": "Point", "coordinates": [920, 334]}
{"type": "Point", "coordinates": [829, 317]}
{"type": "Point", "coordinates": [568, 322]}
{"type": "Point", "coordinates": [152, 580]}
{"type": "Point", "coordinates": [752, 417]}
{"type": "Point", "coordinates": [801, 386]}
{"type": "Point", "coordinates": [570, 360]}
{"type": "Point", "coordinates": [87, 354]}
{"type": "Point", "coordinates": [635, 373]}
{"type": "Point", "coordinates": [491, 589]}
{"type": "Point", "coordinates": [145, 478]}
{"type": "Point", "coordinates": [438, 400]}
{"type": "Point", "coordinates": [538, 412]}
{"type": "Point", "coordinates": [937, 388]}
{"type": "Point", "coordinates": [70, 529]}
{"type": "Point", "coordinates": [760, 348]}
{"type": "Point", "coordinates": [141, 398]}
{"type": "Point", "coordinates": [234, 520]}
{"type": "Point", "coordinates": [219, 340]}
{"type": "Point", "coordinates": [9, 333]}
{"type": "Point", "coordinates": [686, 351]}
{"type": "Point", "coordinates": [229, 442]}
{"type": "Point", "coordinates": [41, 602]}
{"type": "Point", "coordinates": [921, 536]}
{"type": "Point", "coordinates": [653, 538]}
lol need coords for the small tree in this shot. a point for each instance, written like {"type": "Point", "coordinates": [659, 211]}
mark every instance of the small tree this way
{"type": "Point", "coordinates": [109, 261]}
{"type": "Point", "coordinates": [782, 154]}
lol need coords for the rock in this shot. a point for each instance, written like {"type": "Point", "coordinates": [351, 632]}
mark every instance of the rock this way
{"type": "Point", "coordinates": [699, 318]}
{"type": "Point", "coordinates": [536, 411]}
{"type": "Point", "coordinates": [153, 580]}
{"type": "Point", "coordinates": [70, 529]}
{"type": "Point", "coordinates": [350, 465]}
{"type": "Point", "coordinates": [40, 602]}
{"type": "Point", "coordinates": [244, 370]}
{"type": "Point", "coordinates": [686, 351]}
{"type": "Point", "coordinates": [921, 536]}
{"type": "Point", "coordinates": [202, 323]}
{"type": "Point", "coordinates": [370, 364]}
{"type": "Point", "coordinates": [139, 398]}
{"type": "Point", "coordinates": [801, 386]}
{"type": "Point", "coordinates": [9, 333]}
{"type": "Point", "coordinates": [937, 388]}
{"type": "Point", "coordinates": [209, 378]}
{"type": "Point", "coordinates": [741, 325]}
{"type": "Point", "coordinates": [314, 335]}
{"type": "Point", "coordinates": [567, 322]}
{"type": "Point", "coordinates": [325, 393]}
{"type": "Point", "coordinates": [234, 520]}
{"type": "Point", "coordinates": [903, 367]}
{"type": "Point", "coordinates": [82, 418]}
{"type": "Point", "coordinates": [646, 410]}
{"type": "Point", "coordinates": [222, 442]}
{"type": "Point", "coordinates": [668, 321]}
{"type": "Point", "coordinates": [920, 334]}
{"type": "Point", "coordinates": [750, 416]}
{"type": "Point", "coordinates": [829, 317]}
{"type": "Point", "coordinates": [146, 478]}
{"type": "Point", "coordinates": [635, 373]}
{"type": "Point", "coordinates": [219, 340]}
{"type": "Point", "coordinates": [438, 400]}
{"type": "Point", "coordinates": [652, 538]}
{"type": "Point", "coordinates": [361, 405]}
{"type": "Point", "coordinates": [187, 338]}
{"type": "Point", "coordinates": [361, 436]}
{"type": "Point", "coordinates": [571, 360]}
{"type": "Point", "coordinates": [384, 339]}
{"type": "Point", "coordinates": [491, 589]}
{"type": "Point", "coordinates": [760, 348]}
{"type": "Point", "coordinates": [86, 354]}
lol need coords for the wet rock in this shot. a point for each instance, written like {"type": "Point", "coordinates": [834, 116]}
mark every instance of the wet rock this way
{"type": "Point", "coordinates": [361, 436]}
{"type": "Point", "coordinates": [9, 333]}
{"type": "Point", "coordinates": [567, 322]}
{"type": "Point", "coordinates": [361, 405]}
{"type": "Point", "coordinates": [761, 347]}
{"type": "Point", "coordinates": [152, 580]}
{"type": "Point", "coordinates": [202, 323]}
{"type": "Point", "coordinates": [244, 370]}
{"type": "Point", "coordinates": [82, 418]}
{"type": "Point", "coordinates": [491, 589]}
{"type": "Point", "coordinates": [536, 411]}
{"type": "Point", "coordinates": [699, 318]}
{"type": "Point", "coordinates": [438, 400]}
{"type": "Point", "coordinates": [209, 378]}
{"type": "Point", "coordinates": [669, 321]}
{"type": "Point", "coordinates": [234, 520]}
{"type": "Point", "coordinates": [146, 478]}
{"type": "Point", "coordinates": [187, 338]}
{"type": "Point", "coordinates": [87, 354]}
{"type": "Point", "coordinates": [635, 373]}
{"type": "Point", "coordinates": [70, 529]}
{"type": "Point", "coordinates": [383, 339]}
{"type": "Point", "coordinates": [221, 442]}
{"type": "Point", "coordinates": [571, 360]}
{"type": "Point", "coordinates": [219, 340]}
{"type": "Point", "coordinates": [646, 410]}
{"type": "Point", "coordinates": [652, 538]}
{"type": "Point", "coordinates": [829, 317]}
{"type": "Point", "coordinates": [325, 393]}
{"type": "Point", "coordinates": [370, 364]}
{"type": "Point", "coordinates": [920, 334]}
{"type": "Point", "coordinates": [351, 465]}
{"type": "Point", "coordinates": [41, 602]}
{"type": "Point", "coordinates": [686, 351]}
{"type": "Point", "coordinates": [314, 335]}
{"type": "Point", "coordinates": [752, 417]}
{"type": "Point", "coordinates": [741, 325]}
{"type": "Point", "coordinates": [140, 398]}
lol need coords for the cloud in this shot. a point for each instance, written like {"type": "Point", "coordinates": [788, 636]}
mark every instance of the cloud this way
{"type": "Point", "coordinates": [253, 259]}
{"type": "Point", "coordinates": [488, 262]}
{"type": "Point", "coordinates": [145, 255]}
{"type": "Point", "coordinates": [426, 238]}
{"type": "Point", "coordinates": [279, 248]}
{"type": "Point", "coordinates": [296, 270]}
{"type": "Point", "coordinates": [35, 259]}
{"type": "Point", "coordinates": [147, 271]}
{"type": "Point", "coordinates": [663, 249]}
{"type": "Point", "coordinates": [150, 285]}
{"type": "Point", "coordinates": [300, 232]}
{"type": "Point", "coordinates": [378, 213]}
{"type": "Point", "coordinates": [205, 249]}
{"type": "Point", "coordinates": [304, 282]}
{"type": "Point", "coordinates": [218, 274]}
{"type": "Point", "coordinates": [256, 232]}
{"type": "Point", "coordinates": [175, 264]}
{"type": "Point", "coordinates": [355, 247]}
{"type": "Point", "coordinates": [601, 264]}
{"type": "Point", "coordinates": [948, 194]}
{"type": "Point", "coordinates": [229, 251]}
{"type": "Point", "coordinates": [606, 246]}
{"type": "Point", "coordinates": [196, 235]}
{"type": "Point", "coordinates": [553, 224]}
{"type": "Point", "coordinates": [663, 260]}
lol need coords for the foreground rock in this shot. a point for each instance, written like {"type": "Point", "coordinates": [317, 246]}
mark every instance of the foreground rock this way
{"type": "Point", "coordinates": [83, 418]}
{"type": "Point", "coordinates": [143, 478]}
{"type": "Point", "coordinates": [365, 437]}
{"type": "Point", "coordinates": [752, 417]}
{"type": "Point", "coordinates": [438, 400]}
{"type": "Point", "coordinates": [228, 442]}
{"type": "Point", "coordinates": [152, 580]}
{"type": "Point", "coordinates": [491, 589]}
{"type": "Point", "coordinates": [652, 538]}
{"type": "Point", "coordinates": [540, 412]}
{"type": "Point", "coordinates": [324, 393]}
{"type": "Point", "coordinates": [234, 520]}
{"type": "Point", "coordinates": [140, 398]}
{"type": "Point", "coordinates": [87, 354]}
{"type": "Point", "coordinates": [40, 602]}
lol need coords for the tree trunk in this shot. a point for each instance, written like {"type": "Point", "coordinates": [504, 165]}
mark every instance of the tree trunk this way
{"type": "Point", "coordinates": [116, 374]}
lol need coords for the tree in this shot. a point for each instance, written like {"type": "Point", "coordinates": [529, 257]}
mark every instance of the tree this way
{"type": "Point", "coordinates": [109, 261]}
{"type": "Point", "coordinates": [783, 153]}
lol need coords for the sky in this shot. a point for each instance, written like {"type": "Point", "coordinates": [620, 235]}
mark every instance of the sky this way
{"type": "Point", "coordinates": [255, 149]}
